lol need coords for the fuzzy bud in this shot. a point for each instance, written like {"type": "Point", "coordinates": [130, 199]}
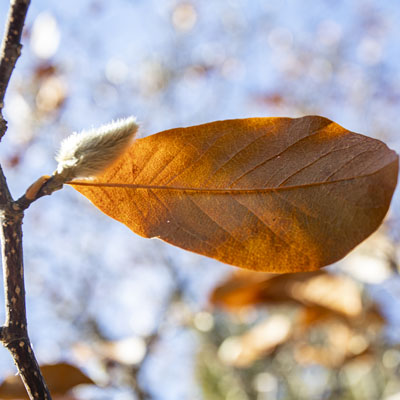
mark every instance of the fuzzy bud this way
{"type": "Point", "coordinates": [86, 154]}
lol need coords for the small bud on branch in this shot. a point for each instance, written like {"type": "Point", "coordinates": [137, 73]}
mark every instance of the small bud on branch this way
{"type": "Point", "coordinates": [83, 155]}
{"type": "Point", "coordinates": [86, 154]}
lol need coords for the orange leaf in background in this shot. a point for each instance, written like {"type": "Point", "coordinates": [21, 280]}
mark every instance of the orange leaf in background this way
{"type": "Point", "coordinates": [336, 293]}
{"type": "Point", "coordinates": [241, 289]}
{"type": "Point", "coordinates": [60, 378]}
{"type": "Point", "coordinates": [267, 194]}
{"type": "Point", "coordinates": [370, 317]}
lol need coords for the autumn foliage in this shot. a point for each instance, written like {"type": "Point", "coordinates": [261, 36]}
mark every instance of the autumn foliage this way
{"type": "Point", "coordinates": [332, 305]}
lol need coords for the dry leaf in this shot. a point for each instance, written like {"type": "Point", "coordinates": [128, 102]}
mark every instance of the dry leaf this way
{"type": "Point", "coordinates": [320, 290]}
{"type": "Point", "coordinates": [333, 292]}
{"type": "Point", "coordinates": [268, 194]}
{"type": "Point", "coordinates": [60, 378]}
{"type": "Point", "coordinates": [242, 288]}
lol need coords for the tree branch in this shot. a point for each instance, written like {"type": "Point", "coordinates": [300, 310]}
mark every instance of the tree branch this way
{"type": "Point", "coordinates": [11, 49]}
{"type": "Point", "coordinates": [44, 186]}
{"type": "Point", "coordinates": [14, 333]}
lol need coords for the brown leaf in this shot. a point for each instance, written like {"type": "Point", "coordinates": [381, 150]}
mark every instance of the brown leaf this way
{"type": "Point", "coordinates": [268, 194]}
{"type": "Point", "coordinates": [335, 293]}
{"type": "Point", "coordinates": [370, 319]}
{"type": "Point", "coordinates": [243, 288]}
{"type": "Point", "coordinates": [60, 378]}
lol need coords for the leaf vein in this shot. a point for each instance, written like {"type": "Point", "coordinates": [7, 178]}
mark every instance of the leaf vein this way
{"type": "Point", "coordinates": [275, 234]}
{"type": "Point", "coordinates": [275, 155]}
{"type": "Point", "coordinates": [178, 225]}
{"type": "Point", "coordinates": [348, 162]}
{"type": "Point", "coordinates": [217, 223]}
{"type": "Point", "coordinates": [329, 152]}
{"type": "Point", "coordinates": [215, 139]}
{"type": "Point", "coordinates": [229, 190]}
{"type": "Point", "coordinates": [238, 152]}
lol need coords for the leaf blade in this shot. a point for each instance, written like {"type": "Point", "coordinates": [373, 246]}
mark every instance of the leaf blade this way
{"type": "Point", "coordinates": [256, 193]}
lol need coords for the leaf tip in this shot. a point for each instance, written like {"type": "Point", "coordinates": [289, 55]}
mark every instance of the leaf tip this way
{"type": "Point", "coordinates": [86, 154]}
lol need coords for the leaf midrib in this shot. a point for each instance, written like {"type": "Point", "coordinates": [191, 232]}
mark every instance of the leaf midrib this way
{"type": "Point", "coordinates": [216, 190]}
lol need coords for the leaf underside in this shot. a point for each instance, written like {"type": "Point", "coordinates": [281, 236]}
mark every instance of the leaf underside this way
{"type": "Point", "coordinates": [267, 194]}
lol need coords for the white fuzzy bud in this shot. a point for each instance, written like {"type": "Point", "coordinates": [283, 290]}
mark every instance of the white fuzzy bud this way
{"type": "Point", "coordinates": [86, 154]}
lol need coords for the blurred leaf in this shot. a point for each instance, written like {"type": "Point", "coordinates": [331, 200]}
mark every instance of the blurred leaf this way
{"type": "Point", "coordinates": [262, 339]}
{"type": "Point", "coordinates": [333, 292]}
{"type": "Point", "coordinates": [370, 318]}
{"type": "Point", "coordinates": [44, 70]}
{"type": "Point", "coordinates": [242, 288]}
{"type": "Point", "coordinates": [269, 194]}
{"type": "Point", "coordinates": [338, 341]}
{"type": "Point", "coordinates": [51, 94]}
{"type": "Point", "coordinates": [14, 160]}
{"type": "Point", "coordinates": [329, 357]}
{"type": "Point", "coordinates": [272, 99]}
{"type": "Point", "coordinates": [128, 351]}
{"type": "Point", "coordinates": [330, 328]}
{"type": "Point", "coordinates": [60, 378]}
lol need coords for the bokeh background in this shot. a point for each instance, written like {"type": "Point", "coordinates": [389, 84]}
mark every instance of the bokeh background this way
{"type": "Point", "coordinates": [144, 320]}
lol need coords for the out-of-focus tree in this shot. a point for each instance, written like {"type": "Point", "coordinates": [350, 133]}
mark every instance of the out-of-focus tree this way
{"type": "Point", "coordinates": [133, 314]}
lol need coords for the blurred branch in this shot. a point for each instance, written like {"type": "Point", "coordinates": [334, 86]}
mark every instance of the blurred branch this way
{"type": "Point", "coordinates": [140, 392]}
{"type": "Point", "coordinates": [14, 333]}
{"type": "Point", "coordinates": [152, 340]}
{"type": "Point", "coordinates": [11, 49]}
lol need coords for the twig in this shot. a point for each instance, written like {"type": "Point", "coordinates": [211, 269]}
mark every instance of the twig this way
{"type": "Point", "coordinates": [44, 186]}
{"type": "Point", "coordinates": [11, 47]}
{"type": "Point", "coordinates": [14, 333]}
